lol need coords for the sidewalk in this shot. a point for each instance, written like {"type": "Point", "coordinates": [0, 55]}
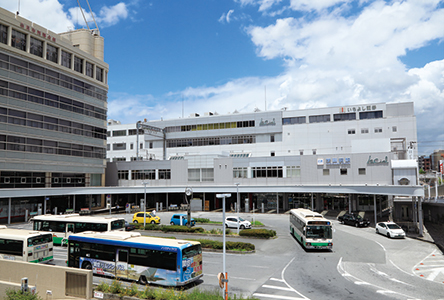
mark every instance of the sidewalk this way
{"type": "Point", "coordinates": [426, 237]}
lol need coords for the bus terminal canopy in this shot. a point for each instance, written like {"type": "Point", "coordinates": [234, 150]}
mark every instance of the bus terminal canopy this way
{"type": "Point", "coordinates": [396, 190]}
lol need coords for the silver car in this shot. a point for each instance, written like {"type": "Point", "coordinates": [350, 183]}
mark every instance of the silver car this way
{"type": "Point", "coordinates": [390, 229]}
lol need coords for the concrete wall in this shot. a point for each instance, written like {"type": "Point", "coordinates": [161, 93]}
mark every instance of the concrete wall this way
{"type": "Point", "coordinates": [45, 277]}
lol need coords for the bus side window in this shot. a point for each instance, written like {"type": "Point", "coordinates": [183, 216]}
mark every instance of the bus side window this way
{"type": "Point", "coordinates": [70, 228]}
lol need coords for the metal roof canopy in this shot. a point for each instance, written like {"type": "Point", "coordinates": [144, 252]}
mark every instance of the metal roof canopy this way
{"type": "Point", "coordinates": [397, 190]}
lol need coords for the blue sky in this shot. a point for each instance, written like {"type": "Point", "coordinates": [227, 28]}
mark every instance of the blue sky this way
{"type": "Point", "coordinates": [227, 55]}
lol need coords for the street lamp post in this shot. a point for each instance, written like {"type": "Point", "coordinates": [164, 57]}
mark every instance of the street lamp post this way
{"type": "Point", "coordinates": [188, 193]}
{"type": "Point", "coordinates": [225, 280]}
{"type": "Point", "coordinates": [144, 205]}
{"type": "Point", "coordinates": [237, 206]}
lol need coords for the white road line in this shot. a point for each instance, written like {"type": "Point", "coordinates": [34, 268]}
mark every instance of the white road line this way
{"type": "Point", "coordinates": [400, 268]}
{"type": "Point", "coordinates": [277, 287]}
{"type": "Point", "coordinates": [283, 279]}
{"type": "Point", "coordinates": [435, 273]}
{"type": "Point", "coordinates": [277, 297]}
{"type": "Point", "coordinates": [277, 279]}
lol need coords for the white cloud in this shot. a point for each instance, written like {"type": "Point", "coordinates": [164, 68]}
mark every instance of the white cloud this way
{"type": "Point", "coordinates": [38, 12]}
{"type": "Point", "coordinates": [226, 16]}
{"type": "Point", "coordinates": [109, 16]}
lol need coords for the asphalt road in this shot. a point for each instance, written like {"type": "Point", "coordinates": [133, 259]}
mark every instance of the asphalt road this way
{"type": "Point", "coordinates": [362, 265]}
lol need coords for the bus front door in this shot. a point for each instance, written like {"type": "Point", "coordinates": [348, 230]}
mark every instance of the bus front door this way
{"type": "Point", "coordinates": [122, 263]}
{"type": "Point", "coordinates": [69, 230]}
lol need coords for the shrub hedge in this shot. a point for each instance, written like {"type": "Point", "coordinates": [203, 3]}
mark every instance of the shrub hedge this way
{"type": "Point", "coordinates": [229, 245]}
{"type": "Point", "coordinates": [259, 233]}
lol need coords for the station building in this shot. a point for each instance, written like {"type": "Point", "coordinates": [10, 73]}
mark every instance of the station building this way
{"type": "Point", "coordinates": [53, 105]}
{"type": "Point", "coordinates": [347, 157]}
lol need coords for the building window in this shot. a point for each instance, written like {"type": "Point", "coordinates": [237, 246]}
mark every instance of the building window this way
{"type": "Point", "coordinates": [351, 131]}
{"type": "Point", "coordinates": [122, 174]}
{"type": "Point", "coordinates": [370, 115]}
{"type": "Point", "coordinates": [319, 118]}
{"type": "Point", "coordinates": [272, 138]}
{"type": "Point", "coordinates": [131, 146]}
{"type": "Point", "coordinates": [66, 59]}
{"type": "Point", "coordinates": [343, 171]}
{"type": "Point", "coordinates": [151, 145]}
{"type": "Point", "coordinates": [266, 172]}
{"type": "Point", "coordinates": [361, 171]}
{"type": "Point", "coordinates": [119, 132]}
{"type": "Point", "coordinates": [378, 130]}
{"type": "Point", "coordinates": [36, 47]}
{"type": "Point", "coordinates": [89, 69]}
{"type": "Point", "coordinates": [272, 153]}
{"type": "Point", "coordinates": [141, 146]}
{"type": "Point", "coordinates": [119, 146]}
{"type": "Point", "coordinates": [18, 40]}
{"type": "Point", "coordinates": [314, 151]}
{"type": "Point", "coordinates": [293, 171]}
{"type": "Point", "coordinates": [3, 34]}
{"type": "Point", "coordinates": [294, 120]}
{"type": "Point", "coordinates": [164, 174]}
{"type": "Point", "coordinates": [99, 74]}
{"type": "Point", "coordinates": [239, 172]}
{"type": "Point", "coordinates": [364, 130]}
{"type": "Point", "coordinates": [301, 152]}
{"type": "Point", "coordinates": [208, 174]}
{"type": "Point", "coordinates": [193, 174]}
{"type": "Point", "coordinates": [326, 172]}
{"type": "Point", "coordinates": [52, 53]}
{"type": "Point", "coordinates": [344, 117]}
{"type": "Point", "coordinates": [394, 128]}
{"type": "Point", "coordinates": [78, 64]}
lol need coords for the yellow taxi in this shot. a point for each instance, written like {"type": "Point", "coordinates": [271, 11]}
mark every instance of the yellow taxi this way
{"type": "Point", "coordinates": [151, 218]}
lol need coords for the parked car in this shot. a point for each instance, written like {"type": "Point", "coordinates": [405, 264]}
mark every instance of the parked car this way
{"type": "Point", "coordinates": [354, 220]}
{"type": "Point", "coordinates": [390, 229]}
{"type": "Point", "coordinates": [129, 227]}
{"type": "Point", "coordinates": [150, 218]}
{"type": "Point", "coordinates": [233, 221]}
{"type": "Point", "coordinates": [175, 220]}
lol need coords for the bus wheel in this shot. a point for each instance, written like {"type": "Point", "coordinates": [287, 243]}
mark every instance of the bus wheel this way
{"type": "Point", "coordinates": [86, 265]}
{"type": "Point", "coordinates": [142, 280]}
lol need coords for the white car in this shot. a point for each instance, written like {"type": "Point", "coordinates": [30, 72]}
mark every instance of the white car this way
{"type": "Point", "coordinates": [233, 221]}
{"type": "Point", "coordinates": [390, 229]}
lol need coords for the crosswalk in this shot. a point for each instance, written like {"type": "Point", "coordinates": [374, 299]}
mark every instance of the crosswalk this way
{"type": "Point", "coordinates": [431, 267]}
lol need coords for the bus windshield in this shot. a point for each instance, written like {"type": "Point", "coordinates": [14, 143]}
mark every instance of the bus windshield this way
{"type": "Point", "coordinates": [319, 232]}
{"type": "Point", "coordinates": [119, 224]}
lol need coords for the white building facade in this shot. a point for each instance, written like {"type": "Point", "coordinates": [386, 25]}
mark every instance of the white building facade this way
{"type": "Point", "coordinates": [341, 155]}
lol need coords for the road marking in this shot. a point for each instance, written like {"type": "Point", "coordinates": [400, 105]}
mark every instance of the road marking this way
{"type": "Point", "coordinates": [277, 287]}
{"type": "Point", "coordinates": [435, 273]}
{"type": "Point", "coordinates": [277, 297]}
{"type": "Point", "coordinates": [277, 279]}
{"type": "Point", "coordinates": [359, 281]}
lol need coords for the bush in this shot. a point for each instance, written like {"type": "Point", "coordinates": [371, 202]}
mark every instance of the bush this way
{"type": "Point", "coordinates": [116, 287]}
{"type": "Point", "coordinates": [177, 228]}
{"type": "Point", "coordinates": [229, 245]}
{"type": "Point", "coordinates": [12, 294]}
{"type": "Point", "coordinates": [152, 226]}
{"type": "Point", "coordinates": [259, 233]}
{"type": "Point", "coordinates": [103, 287]}
{"type": "Point", "coordinates": [202, 220]}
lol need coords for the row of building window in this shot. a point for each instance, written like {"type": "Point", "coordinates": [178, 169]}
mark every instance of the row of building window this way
{"type": "Point", "coordinates": [23, 67]}
{"type": "Point", "coordinates": [210, 126]}
{"type": "Point", "coordinates": [18, 41]}
{"type": "Point", "coordinates": [376, 130]}
{"type": "Point", "coordinates": [22, 92]}
{"type": "Point", "coordinates": [343, 171]}
{"type": "Point", "coordinates": [336, 117]}
{"type": "Point", "coordinates": [18, 143]}
{"type": "Point", "coordinates": [11, 179]}
{"type": "Point", "coordinates": [28, 119]}
{"type": "Point", "coordinates": [210, 141]}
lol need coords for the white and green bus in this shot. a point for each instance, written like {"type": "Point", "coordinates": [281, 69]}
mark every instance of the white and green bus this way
{"type": "Point", "coordinates": [62, 226]}
{"type": "Point", "coordinates": [311, 229]}
{"type": "Point", "coordinates": [25, 245]}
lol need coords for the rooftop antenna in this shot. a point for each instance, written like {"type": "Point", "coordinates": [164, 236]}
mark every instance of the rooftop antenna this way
{"type": "Point", "coordinates": [92, 15]}
{"type": "Point", "coordinates": [18, 7]}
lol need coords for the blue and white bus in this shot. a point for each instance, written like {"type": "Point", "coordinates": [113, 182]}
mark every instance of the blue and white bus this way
{"type": "Point", "coordinates": [128, 255]}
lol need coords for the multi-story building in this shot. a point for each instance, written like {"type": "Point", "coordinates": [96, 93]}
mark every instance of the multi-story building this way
{"type": "Point", "coordinates": [53, 104]}
{"type": "Point", "coordinates": [424, 163]}
{"type": "Point", "coordinates": [344, 156]}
